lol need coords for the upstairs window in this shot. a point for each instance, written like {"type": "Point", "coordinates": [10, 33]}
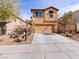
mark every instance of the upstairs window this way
{"type": "Point", "coordinates": [50, 13]}
{"type": "Point", "coordinates": [39, 14]}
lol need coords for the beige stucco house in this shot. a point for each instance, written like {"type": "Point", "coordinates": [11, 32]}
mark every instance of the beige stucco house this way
{"type": "Point", "coordinates": [45, 20]}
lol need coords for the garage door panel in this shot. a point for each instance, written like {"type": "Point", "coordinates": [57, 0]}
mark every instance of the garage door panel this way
{"type": "Point", "coordinates": [43, 29]}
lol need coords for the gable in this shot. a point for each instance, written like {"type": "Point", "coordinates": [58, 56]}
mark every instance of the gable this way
{"type": "Point", "coordinates": [52, 8]}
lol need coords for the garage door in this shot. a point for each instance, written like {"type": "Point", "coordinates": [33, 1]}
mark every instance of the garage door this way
{"type": "Point", "coordinates": [44, 29]}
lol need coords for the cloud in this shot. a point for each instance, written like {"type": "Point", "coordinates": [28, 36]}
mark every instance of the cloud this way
{"type": "Point", "coordinates": [69, 8]}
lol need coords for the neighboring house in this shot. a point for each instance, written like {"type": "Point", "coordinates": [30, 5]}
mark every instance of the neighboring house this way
{"type": "Point", "coordinates": [76, 16]}
{"type": "Point", "coordinates": [70, 28]}
{"type": "Point", "coordinates": [72, 25]}
{"type": "Point", "coordinates": [3, 23]}
{"type": "Point", "coordinates": [45, 20]}
{"type": "Point", "coordinates": [3, 26]}
{"type": "Point", "coordinates": [18, 24]}
{"type": "Point", "coordinates": [10, 27]}
{"type": "Point", "coordinates": [60, 26]}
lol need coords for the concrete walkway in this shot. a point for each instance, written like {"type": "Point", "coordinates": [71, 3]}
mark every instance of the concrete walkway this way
{"type": "Point", "coordinates": [43, 46]}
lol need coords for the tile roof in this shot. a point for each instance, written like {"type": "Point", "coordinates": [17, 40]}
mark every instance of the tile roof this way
{"type": "Point", "coordinates": [45, 9]}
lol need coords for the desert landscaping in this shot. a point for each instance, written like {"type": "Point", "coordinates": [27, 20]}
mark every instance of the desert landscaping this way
{"type": "Point", "coordinates": [39, 29]}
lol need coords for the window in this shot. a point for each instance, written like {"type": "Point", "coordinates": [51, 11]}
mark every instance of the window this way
{"type": "Point", "coordinates": [39, 14]}
{"type": "Point", "coordinates": [50, 13]}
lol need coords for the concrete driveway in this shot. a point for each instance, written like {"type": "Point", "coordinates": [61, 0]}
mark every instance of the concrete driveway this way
{"type": "Point", "coordinates": [44, 46]}
{"type": "Point", "coordinates": [50, 38]}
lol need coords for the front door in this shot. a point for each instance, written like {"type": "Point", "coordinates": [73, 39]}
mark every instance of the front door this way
{"type": "Point", "coordinates": [2, 28]}
{"type": "Point", "coordinates": [52, 28]}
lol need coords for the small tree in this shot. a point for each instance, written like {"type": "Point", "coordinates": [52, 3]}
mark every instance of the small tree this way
{"type": "Point", "coordinates": [5, 10]}
{"type": "Point", "coordinates": [67, 18]}
{"type": "Point", "coordinates": [6, 13]}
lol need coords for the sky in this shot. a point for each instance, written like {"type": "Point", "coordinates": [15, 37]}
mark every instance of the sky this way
{"type": "Point", "coordinates": [63, 6]}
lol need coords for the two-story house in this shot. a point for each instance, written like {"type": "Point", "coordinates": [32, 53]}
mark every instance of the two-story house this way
{"type": "Point", "coordinates": [45, 20]}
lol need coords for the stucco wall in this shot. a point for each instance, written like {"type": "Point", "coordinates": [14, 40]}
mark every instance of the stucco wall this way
{"type": "Point", "coordinates": [43, 29]}
{"type": "Point", "coordinates": [11, 26]}
{"type": "Point", "coordinates": [45, 21]}
{"type": "Point", "coordinates": [78, 27]}
{"type": "Point", "coordinates": [47, 18]}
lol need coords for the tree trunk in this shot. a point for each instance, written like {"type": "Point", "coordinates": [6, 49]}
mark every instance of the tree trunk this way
{"type": "Point", "coordinates": [26, 32]}
{"type": "Point", "coordinates": [64, 28]}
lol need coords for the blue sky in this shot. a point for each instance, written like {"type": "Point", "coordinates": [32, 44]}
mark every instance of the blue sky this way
{"type": "Point", "coordinates": [62, 5]}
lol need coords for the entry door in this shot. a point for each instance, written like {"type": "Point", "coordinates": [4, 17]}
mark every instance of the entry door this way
{"type": "Point", "coordinates": [0, 30]}
{"type": "Point", "coordinates": [52, 28]}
